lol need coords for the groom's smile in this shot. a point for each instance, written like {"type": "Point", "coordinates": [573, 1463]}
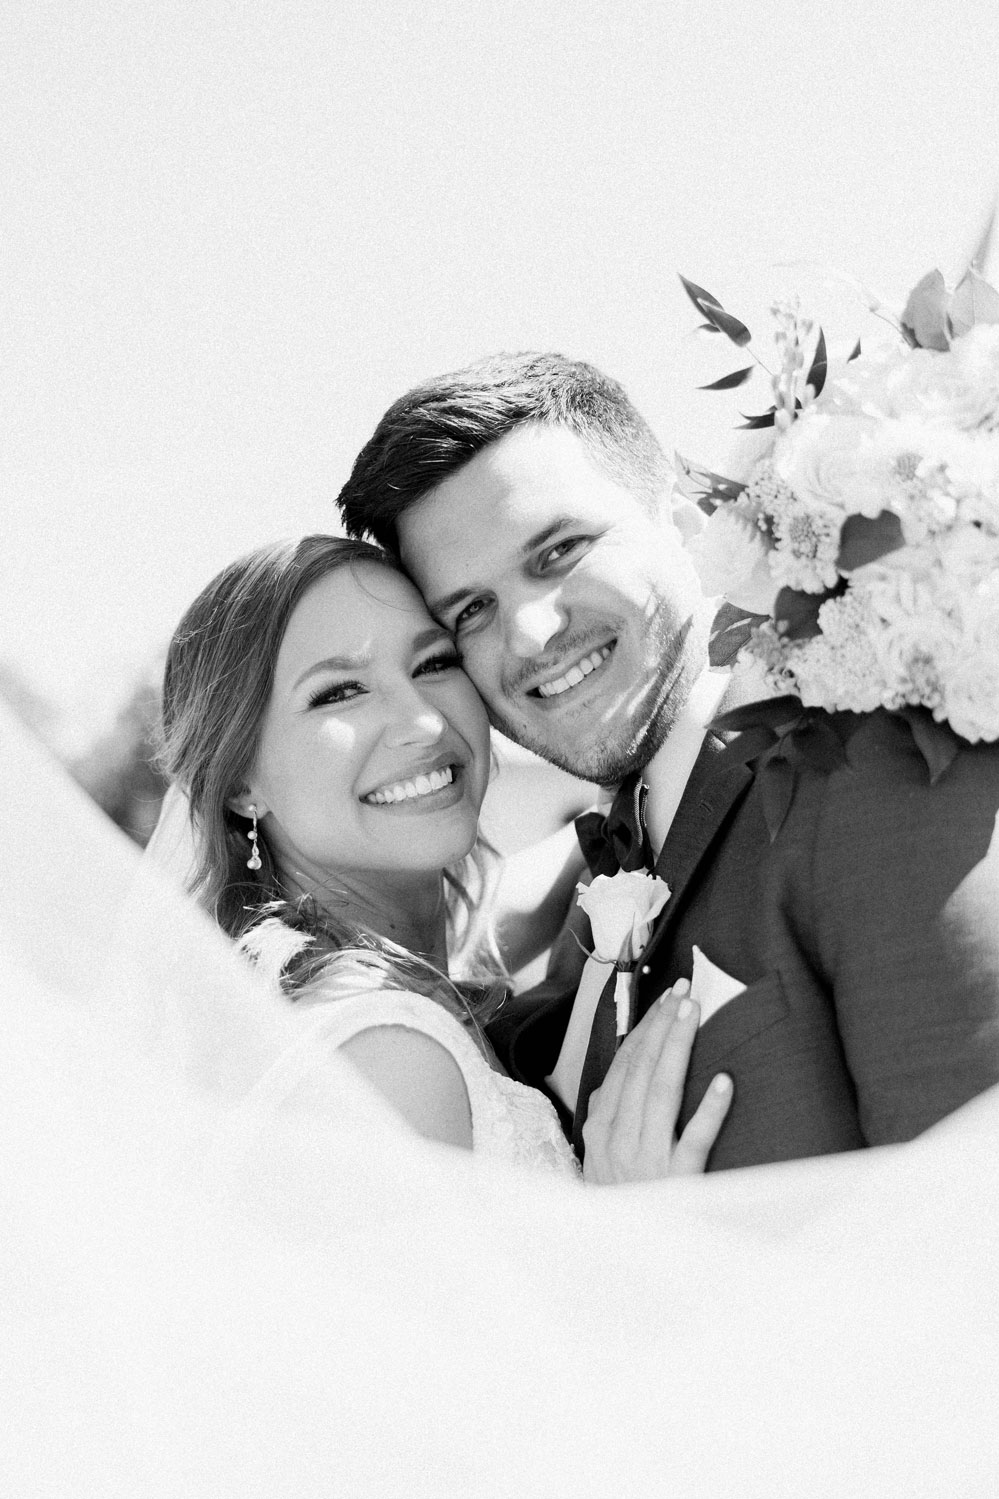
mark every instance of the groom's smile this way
{"type": "Point", "coordinates": [570, 597]}
{"type": "Point", "coordinates": [578, 672]}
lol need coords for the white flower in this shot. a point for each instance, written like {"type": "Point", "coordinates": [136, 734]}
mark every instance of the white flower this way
{"type": "Point", "coordinates": [808, 542]}
{"type": "Point", "coordinates": [838, 669]}
{"type": "Point", "coordinates": [860, 387]}
{"type": "Point", "coordinates": [622, 908]}
{"type": "Point", "coordinates": [730, 556]}
{"type": "Point", "coordinates": [828, 461]}
{"type": "Point", "coordinates": [971, 689]}
{"type": "Point", "coordinates": [898, 432]}
{"type": "Point", "coordinates": [957, 389]}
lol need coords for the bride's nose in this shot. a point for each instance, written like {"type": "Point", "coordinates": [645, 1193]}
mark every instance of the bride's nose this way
{"type": "Point", "coordinates": [413, 720]}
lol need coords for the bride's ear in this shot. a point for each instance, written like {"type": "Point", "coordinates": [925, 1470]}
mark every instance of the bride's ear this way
{"type": "Point", "coordinates": [244, 799]}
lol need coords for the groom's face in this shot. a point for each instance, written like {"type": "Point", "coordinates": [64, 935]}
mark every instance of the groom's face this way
{"type": "Point", "coordinates": [575, 607]}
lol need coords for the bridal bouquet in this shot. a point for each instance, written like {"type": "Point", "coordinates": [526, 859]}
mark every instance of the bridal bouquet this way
{"type": "Point", "coordinates": [867, 536]}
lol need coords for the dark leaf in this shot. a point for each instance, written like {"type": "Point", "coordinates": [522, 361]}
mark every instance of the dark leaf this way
{"type": "Point", "coordinates": [706, 480]}
{"type": "Point", "coordinates": [776, 713]}
{"type": "Point", "coordinates": [706, 328]}
{"type": "Point", "coordinates": [732, 381]}
{"type": "Point", "coordinates": [730, 631]}
{"type": "Point", "coordinates": [797, 614]}
{"type": "Point", "coordinates": [816, 376]}
{"type": "Point", "coordinates": [864, 540]}
{"type": "Point", "coordinates": [855, 354]}
{"type": "Point", "coordinates": [820, 746]}
{"type": "Point", "coordinates": [729, 325]}
{"type": "Point", "coordinates": [756, 423]}
{"type": "Point", "coordinates": [746, 747]}
{"type": "Point", "coordinates": [974, 301]}
{"type": "Point", "coordinates": [924, 318]}
{"type": "Point", "coordinates": [937, 743]}
{"type": "Point", "coordinates": [701, 299]}
{"type": "Point", "coordinates": [776, 782]}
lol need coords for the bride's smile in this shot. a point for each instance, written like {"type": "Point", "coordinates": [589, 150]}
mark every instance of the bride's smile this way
{"type": "Point", "coordinates": [373, 755]}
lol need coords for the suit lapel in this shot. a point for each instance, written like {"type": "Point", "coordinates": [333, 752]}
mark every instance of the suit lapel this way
{"type": "Point", "coordinates": [709, 797]}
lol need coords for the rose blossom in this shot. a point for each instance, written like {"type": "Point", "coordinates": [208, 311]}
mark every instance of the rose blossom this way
{"type": "Point", "coordinates": [730, 556]}
{"type": "Point", "coordinates": [827, 460]}
{"type": "Point", "coordinates": [622, 908]}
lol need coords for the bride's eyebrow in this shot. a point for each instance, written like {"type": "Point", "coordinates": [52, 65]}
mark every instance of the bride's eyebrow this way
{"type": "Point", "coordinates": [433, 635]}
{"type": "Point", "coordinates": [331, 663]}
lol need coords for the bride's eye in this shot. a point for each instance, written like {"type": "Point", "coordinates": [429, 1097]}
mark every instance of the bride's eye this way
{"type": "Point", "coordinates": [444, 661]}
{"type": "Point", "coordinates": [336, 692]}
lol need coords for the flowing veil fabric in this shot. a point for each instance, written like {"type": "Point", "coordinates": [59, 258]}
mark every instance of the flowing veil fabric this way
{"type": "Point", "coordinates": [229, 1271]}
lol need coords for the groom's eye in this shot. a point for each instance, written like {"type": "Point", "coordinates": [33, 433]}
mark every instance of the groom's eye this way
{"type": "Point", "coordinates": [468, 613]}
{"type": "Point", "coordinates": [561, 550]}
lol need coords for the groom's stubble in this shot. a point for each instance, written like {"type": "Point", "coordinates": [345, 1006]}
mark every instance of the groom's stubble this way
{"type": "Point", "coordinates": [636, 727]}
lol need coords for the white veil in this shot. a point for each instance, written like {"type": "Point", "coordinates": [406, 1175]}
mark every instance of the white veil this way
{"type": "Point", "coordinates": [230, 1272]}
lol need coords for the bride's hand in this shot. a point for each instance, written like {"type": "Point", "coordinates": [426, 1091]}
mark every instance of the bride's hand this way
{"type": "Point", "coordinates": [629, 1132]}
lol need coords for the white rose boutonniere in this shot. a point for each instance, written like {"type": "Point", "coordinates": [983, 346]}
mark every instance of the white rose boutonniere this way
{"type": "Point", "coordinates": [622, 908]}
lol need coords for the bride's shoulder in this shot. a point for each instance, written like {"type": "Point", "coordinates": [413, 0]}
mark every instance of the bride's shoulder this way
{"type": "Point", "coordinates": [417, 1055]}
{"type": "Point", "coordinates": [342, 1015]}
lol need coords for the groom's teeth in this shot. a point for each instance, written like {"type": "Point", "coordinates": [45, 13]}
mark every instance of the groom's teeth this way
{"type": "Point", "coordinates": [402, 791]}
{"type": "Point", "coordinates": [575, 674]}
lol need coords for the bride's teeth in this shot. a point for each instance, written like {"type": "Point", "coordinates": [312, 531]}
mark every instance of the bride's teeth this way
{"type": "Point", "coordinates": [408, 790]}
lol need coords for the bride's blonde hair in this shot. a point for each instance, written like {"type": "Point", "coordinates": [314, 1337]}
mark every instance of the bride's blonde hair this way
{"type": "Point", "coordinates": [218, 681]}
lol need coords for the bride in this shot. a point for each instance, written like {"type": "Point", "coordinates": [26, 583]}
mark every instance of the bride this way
{"type": "Point", "coordinates": [335, 757]}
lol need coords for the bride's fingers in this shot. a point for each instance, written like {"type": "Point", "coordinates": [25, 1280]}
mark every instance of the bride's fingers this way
{"type": "Point", "coordinates": [624, 1087]}
{"type": "Point", "coordinates": [694, 1146]}
{"type": "Point", "coordinates": [637, 1084]}
{"type": "Point", "coordinates": [664, 1092]}
{"type": "Point", "coordinates": [612, 1130]}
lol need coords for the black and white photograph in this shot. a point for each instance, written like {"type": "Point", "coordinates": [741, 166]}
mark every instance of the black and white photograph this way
{"type": "Point", "coordinates": [499, 749]}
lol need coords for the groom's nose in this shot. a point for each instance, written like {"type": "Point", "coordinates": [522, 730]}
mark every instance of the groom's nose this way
{"type": "Point", "coordinates": [533, 622]}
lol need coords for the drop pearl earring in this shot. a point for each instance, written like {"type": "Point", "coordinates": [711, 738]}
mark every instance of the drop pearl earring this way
{"type": "Point", "coordinates": [254, 861]}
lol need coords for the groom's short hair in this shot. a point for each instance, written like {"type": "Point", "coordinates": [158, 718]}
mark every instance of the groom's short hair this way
{"type": "Point", "coordinates": [437, 427]}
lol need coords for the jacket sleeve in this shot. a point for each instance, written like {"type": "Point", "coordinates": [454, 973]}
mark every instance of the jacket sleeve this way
{"type": "Point", "coordinates": [904, 884]}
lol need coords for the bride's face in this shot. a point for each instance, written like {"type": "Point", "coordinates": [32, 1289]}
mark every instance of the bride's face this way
{"type": "Point", "coordinates": [374, 750]}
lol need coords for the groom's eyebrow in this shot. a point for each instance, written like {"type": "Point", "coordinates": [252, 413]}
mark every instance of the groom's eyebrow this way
{"type": "Point", "coordinates": [448, 601]}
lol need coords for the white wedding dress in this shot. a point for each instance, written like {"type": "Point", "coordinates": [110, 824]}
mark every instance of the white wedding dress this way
{"type": "Point", "coordinates": [230, 1271]}
{"type": "Point", "coordinates": [511, 1124]}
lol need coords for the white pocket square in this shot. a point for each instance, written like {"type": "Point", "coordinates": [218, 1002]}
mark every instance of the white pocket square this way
{"type": "Point", "coordinates": [711, 987]}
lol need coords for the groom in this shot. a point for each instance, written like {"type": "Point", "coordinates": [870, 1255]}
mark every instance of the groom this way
{"type": "Point", "coordinates": [855, 955]}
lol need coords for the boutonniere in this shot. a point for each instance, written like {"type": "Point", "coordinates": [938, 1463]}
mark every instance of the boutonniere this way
{"type": "Point", "coordinates": [622, 908]}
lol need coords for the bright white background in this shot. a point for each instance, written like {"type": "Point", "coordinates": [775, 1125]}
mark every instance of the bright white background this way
{"type": "Point", "coordinates": [233, 232]}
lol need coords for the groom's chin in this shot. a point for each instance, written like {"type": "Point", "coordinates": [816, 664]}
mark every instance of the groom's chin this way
{"type": "Point", "coordinates": [595, 762]}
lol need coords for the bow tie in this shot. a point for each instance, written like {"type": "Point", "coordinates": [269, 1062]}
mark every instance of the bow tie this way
{"type": "Point", "coordinates": [616, 839]}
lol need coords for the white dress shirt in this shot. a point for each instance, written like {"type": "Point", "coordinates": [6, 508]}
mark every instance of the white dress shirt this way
{"type": "Point", "coordinates": [666, 778]}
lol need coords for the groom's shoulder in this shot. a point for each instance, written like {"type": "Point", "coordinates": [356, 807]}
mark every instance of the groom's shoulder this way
{"type": "Point", "coordinates": [887, 801]}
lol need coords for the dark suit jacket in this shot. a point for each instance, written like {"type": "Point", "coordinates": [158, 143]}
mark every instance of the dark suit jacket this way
{"type": "Point", "coordinates": [866, 933]}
